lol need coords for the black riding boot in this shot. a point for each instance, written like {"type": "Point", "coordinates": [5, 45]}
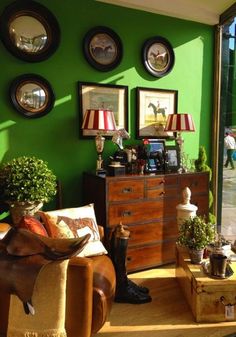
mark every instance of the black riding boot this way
{"type": "Point", "coordinates": [126, 290]}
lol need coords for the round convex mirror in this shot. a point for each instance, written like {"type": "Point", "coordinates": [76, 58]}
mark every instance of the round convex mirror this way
{"type": "Point", "coordinates": [32, 95]}
{"type": "Point", "coordinates": [29, 41]}
{"type": "Point", "coordinates": [29, 30]}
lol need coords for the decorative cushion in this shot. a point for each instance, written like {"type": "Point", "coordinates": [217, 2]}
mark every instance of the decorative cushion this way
{"type": "Point", "coordinates": [75, 222]}
{"type": "Point", "coordinates": [32, 224]}
{"type": "Point", "coordinates": [77, 226]}
{"type": "Point", "coordinates": [4, 228]}
{"type": "Point", "coordinates": [56, 227]}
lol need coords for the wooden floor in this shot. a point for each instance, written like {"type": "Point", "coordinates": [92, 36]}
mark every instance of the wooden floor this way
{"type": "Point", "coordinates": [168, 315]}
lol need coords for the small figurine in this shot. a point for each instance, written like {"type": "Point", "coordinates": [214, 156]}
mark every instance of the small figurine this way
{"type": "Point", "coordinates": [118, 137]}
{"type": "Point", "coordinates": [120, 155]}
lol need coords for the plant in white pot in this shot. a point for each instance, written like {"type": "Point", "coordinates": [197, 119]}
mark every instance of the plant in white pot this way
{"type": "Point", "coordinates": [25, 184]}
{"type": "Point", "coordinates": [196, 233]}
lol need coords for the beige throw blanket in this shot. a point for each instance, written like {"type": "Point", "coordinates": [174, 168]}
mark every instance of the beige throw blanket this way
{"type": "Point", "coordinates": [48, 300]}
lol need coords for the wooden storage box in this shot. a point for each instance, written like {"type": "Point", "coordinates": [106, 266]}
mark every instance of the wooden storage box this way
{"type": "Point", "coordinates": [211, 300]}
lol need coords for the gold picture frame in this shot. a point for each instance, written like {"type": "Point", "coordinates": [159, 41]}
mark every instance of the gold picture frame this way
{"type": "Point", "coordinates": [153, 107]}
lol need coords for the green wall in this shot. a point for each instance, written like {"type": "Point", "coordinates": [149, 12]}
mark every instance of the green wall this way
{"type": "Point", "coordinates": [55, 137]}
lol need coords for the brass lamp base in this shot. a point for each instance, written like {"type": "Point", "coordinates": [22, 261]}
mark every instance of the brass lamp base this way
{"type": "Point", "coordinates": [99, 142]}
{"type": "Point", "coordinates": [180, 143]}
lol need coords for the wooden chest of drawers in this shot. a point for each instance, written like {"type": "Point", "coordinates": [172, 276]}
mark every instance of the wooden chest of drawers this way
{"type": "Point", "coordinates": [147, 204]}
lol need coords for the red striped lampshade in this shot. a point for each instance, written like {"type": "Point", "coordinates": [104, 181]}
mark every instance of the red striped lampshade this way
{"type": "Point", "coordinates": [103, 120]}
{"type": "Point", "coordinates": [179, 122]}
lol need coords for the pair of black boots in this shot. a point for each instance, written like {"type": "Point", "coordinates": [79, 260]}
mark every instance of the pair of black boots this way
{"type": "Point", "coordinates": [126, 290]}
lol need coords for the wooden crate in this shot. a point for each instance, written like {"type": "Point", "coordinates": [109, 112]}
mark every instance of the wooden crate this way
{"type": "Point", "coordinates": [208, 298]}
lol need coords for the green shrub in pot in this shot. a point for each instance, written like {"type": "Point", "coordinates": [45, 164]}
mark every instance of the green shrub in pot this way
{"type": "Point", "coordinates": [196, 233]}
{"type": "Point", "coordinates": [26, 181]}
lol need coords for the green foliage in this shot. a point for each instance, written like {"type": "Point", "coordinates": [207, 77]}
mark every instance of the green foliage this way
{"type": "Point", "coordinates": [212, 218]}
{"type": "Point", "coordinates": [196, 233]}
{"type": "Point", "coordinates": [27, 179]}
{"type": "Point", "coordinates": [201, 162]}
{"type": "Point", "coordinates": [210, 199]}
{"type": "Point", "coordinates": [201, 166]}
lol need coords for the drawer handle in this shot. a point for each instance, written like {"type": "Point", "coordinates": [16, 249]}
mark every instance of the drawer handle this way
{"type": "Point", "coordinates": [127, 190]}
{"type": "Point", "coordinates": [162, 193]}
{"type": "Point", "coordinates": [163, 181]}
{"type": "Point", "coordinates": [126, 213]}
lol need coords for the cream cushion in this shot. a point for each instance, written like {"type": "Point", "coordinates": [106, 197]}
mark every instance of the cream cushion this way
{"type": "Point", "coordinates": [73, 222]}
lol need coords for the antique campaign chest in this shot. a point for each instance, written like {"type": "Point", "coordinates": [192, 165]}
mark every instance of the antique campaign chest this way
{"type": "Point", "coordinates": [147, 205]}
{"type": "Point", "coordinates": [211, 300]}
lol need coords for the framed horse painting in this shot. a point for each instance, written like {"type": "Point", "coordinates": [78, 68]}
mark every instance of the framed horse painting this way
{"type": "Point", "coordinates": [153, 107]}
{"type": "Point", "coordinates": [102, 48]}
{"type": "Point", "coordinates": [103, 96]}
{"type": "Point", "coordinates": [158, 56]}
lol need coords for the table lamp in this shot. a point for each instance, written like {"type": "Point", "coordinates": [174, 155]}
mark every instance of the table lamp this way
{"type": "Point", "coordinates": [99, 120]}
{"type": "Point", "coordinates": [180, 123]}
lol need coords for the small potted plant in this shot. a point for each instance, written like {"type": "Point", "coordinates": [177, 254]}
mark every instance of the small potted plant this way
{"type": "Point", "coordinates": [25, 184]}
{"type": "Point", "coordinates": [220, 246]}
{"type": "Point", "coordinates": [196, 233]}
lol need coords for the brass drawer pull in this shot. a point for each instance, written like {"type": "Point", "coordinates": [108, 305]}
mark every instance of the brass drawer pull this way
{"type": "Point", "coordinates": [163, 181]}
{"type": "Point", "coordinates": [163, 193]}
{"type": "Point", "coordinates": [126, 213]}
{"type": "Point", "coordinates": [127, 190]}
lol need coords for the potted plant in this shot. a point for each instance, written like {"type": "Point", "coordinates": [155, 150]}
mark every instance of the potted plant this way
{"type": "Point", "coordinates": [196, 233]}
{"type": "Point", "coordinates": [25, 184]}
{"type": "Point", "coordinates": [220, 246]}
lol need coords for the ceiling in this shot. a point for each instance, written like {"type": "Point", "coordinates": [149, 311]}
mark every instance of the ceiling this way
{"type": "Point", "coordinates": [204, 11]}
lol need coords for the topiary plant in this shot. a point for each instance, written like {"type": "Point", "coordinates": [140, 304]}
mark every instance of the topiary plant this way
{"type": "Point", "coordinates": [196, 233]}
{"type": "Point", "coordinates": [201, 162]}
{"type": "Point", "coordinates": [201, 166]}
{"type": "Point", "coordinates": [26, 179]}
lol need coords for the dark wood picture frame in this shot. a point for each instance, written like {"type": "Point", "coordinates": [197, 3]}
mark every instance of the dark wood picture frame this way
{"type": "Point", "coordinates": [155, 161]}
{"type": "Point", "coordinates": [172, 158]}
{"type": "Point", "coordinates": [158, 56]}
{"type": "Point", "coordinates": [102, 48]}
{"type": "Point", "coordinates": [103, 96]}
{"type": "Point", "coordinates": [153, 107]}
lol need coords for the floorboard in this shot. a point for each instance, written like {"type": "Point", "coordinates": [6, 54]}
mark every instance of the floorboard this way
{"type": "Point", "coordinates": [168, 315]}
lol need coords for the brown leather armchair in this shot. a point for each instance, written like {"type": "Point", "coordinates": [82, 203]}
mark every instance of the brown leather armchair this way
{"type": "Point", "coordinates": [89, 295]}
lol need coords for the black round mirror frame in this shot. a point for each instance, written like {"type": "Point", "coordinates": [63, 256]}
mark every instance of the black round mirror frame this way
{"type": "Point", "coordinates": [169, 53]}
{"type": "Point", "coordinates": [44, 85]}
{"type": "Point", "coordinates": [41, 14]}
{"type": "Point", "coordinates": [92, 58]}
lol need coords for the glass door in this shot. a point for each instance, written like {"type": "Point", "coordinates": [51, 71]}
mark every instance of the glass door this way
{"type": "Point", "coordinates": [227, 131]}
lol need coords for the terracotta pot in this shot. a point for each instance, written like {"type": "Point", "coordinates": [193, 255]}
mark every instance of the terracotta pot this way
{"type": "Point", "coordinates": [196, 255]}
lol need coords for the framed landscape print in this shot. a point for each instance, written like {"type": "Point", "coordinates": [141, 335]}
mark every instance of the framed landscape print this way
{"type": "Point", "coordinates": [153, 107]}
{"type": "Point", "coordinates": [104, 96]}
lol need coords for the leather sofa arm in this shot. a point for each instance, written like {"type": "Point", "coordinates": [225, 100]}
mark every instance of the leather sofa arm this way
{"type": "Point", "coordinates": [101, 233]}
{"type": "Point", "coordinates": [79, 297]}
